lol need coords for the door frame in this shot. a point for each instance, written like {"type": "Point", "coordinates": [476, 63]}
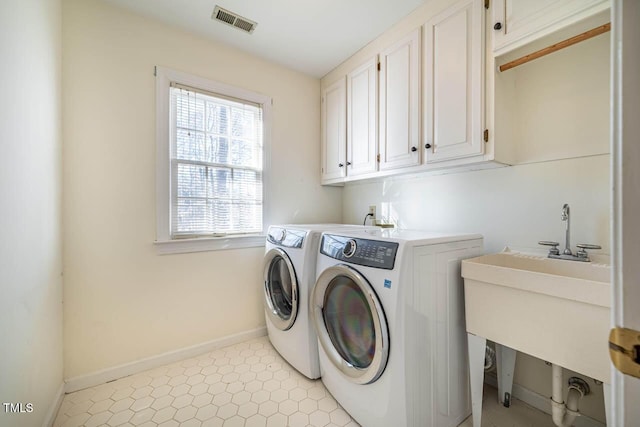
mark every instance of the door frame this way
{"type": "Point", "coordinates": [625, 200]}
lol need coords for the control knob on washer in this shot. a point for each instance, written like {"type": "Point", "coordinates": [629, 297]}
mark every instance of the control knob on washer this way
{"type": "Point", "coordinates": [282, 233]}
{"type": "Point", "coordinates": [349, 248]}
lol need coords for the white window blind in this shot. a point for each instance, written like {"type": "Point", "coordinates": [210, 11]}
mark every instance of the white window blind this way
{"type": "Point", "coordinates": [216, 164]}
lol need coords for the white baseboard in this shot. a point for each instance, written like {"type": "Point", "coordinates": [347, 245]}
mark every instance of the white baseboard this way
{"type": "Point", "coordinates": [50, 418]}
{"type": "Point", "coordinates": [121, 371]}
{"type": "Point", "coordinates": [541, 403]}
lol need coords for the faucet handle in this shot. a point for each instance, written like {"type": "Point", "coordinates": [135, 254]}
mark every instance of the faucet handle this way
{"type": "Point", "coordinates": [554, 246]}
{"type": "Point", "coordinates": [582, 253]}
{"type": "Point", "coordinates": [588, 246]}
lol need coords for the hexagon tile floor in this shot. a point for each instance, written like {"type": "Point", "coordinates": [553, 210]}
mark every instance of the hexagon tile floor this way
{"type": "Point", "coordinates": [244, 385]}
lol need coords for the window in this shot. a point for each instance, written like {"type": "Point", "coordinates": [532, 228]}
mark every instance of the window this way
{"type": "Point", "coordinates": [216, 164]}
{"type": "Point", "coordinates": [211, 150]}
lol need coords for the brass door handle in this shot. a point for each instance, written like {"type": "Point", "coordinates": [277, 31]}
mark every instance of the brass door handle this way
{"type": "Point", "coordinates": [624, 350]}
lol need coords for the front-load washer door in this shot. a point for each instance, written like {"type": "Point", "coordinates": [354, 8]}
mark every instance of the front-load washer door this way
{"type": "Point", "coordinates": [350, 323]}
{"type": "Point", "coordinates": [280, 289]}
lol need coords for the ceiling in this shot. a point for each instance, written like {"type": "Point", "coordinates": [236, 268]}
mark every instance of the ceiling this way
{"type": "Point", "coordinates": [311, 36]}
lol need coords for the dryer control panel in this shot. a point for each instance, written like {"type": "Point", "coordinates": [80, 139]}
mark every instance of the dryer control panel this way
{"type": "Point", "coordinates": [288, 238]}
{"type": "Point", "coordinates": [370, 253]}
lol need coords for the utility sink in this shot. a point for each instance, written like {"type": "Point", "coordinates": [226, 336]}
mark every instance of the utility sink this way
{"type": "Point", "coordinates": [556, 310]}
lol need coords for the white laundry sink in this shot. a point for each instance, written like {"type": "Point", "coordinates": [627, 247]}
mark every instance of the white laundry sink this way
{"type": "Point", "coordinates": [555, 310]}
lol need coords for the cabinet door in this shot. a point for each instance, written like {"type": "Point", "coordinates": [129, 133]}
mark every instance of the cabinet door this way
{"type": "Point", "coordinates": [400, 103]}
{"type": "Point", "coordinates": [517, 22]}
{"type": "Point", "coordinates": [334, 131]}
{"type": "Point", "coordinates": [362, 104]}
{"type": "Point", "coordinates": [454, 65]}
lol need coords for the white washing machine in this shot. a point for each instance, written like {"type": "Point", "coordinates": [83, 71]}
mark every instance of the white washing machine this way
{"type": "Point", "coordinates": [289, 275]}
{"type": "Point", "coordinates": [389, 313]}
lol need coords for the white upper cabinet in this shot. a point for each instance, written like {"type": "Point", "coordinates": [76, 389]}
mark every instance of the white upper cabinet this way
{"type": "Point", "coordinates": [518, 22]}
{"type": "Point", "coordinates": [433, 101]}
{"type": "Point", "coordinates": [362, 113]}
{"type": "Point", "coordinates": [400, 103]}
{"type": "Point", "coordinates": [333, 132]}
{"type": "Point", "coordinates": [453, 89]}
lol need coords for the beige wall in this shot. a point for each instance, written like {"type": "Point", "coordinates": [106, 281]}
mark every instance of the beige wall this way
{"type": "Point", "coordinates": [123, 302]}
{"type": "Point", "coordinates": [561, 107]}
{"type": "Point", "coordinates": [31, 368]}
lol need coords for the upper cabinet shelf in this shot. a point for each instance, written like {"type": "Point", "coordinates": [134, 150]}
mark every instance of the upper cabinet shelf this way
{"type": "Point", "coordinates": [519, 22]}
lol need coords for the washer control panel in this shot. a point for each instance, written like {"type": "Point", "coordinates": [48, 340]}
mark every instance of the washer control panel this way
{"type": "Point", "coordinates": [370, 253]}
{"type": "Point", "coordinates": [286, 238]}
{"type": "Point", "coordinates": [350, 247]}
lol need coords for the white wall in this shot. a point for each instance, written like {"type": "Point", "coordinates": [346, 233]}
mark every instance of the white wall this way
{"type": "Point", "coordinates": [123, 302]}
{"type": "Point", "coordinates": [561, 107]}
{"type": "Point", "coordinates": [561, 103]}
{"type": "Point", "coordinates": [31, 368]}
{"type": "Point", "coordinates": [514, 206]}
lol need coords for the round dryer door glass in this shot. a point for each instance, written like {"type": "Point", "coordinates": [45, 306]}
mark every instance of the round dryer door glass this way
{"type": "Point", "coordinates": [349, 322]}
{"type": "Point", "coordinates": [281, 289]}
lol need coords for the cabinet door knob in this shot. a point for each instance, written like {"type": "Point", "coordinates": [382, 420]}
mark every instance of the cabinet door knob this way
{"type": "Point", "coordinates": [340, 165]}
{"type": "Point", "coordinates": [427, 146]}
{"type": "Point", "coordinates": [348, 163]}
{"type": "Point", "coordinates": [414, 149]}
{"type": "Point", "coordinates": [497, 26]}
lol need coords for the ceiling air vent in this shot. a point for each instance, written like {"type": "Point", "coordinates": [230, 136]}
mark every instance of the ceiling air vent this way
{"type": "Point", "coordinates": [233, 19]}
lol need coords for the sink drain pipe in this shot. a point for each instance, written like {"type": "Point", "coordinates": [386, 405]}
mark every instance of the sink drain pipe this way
{"type": "Point", "coordinates": [565, 414]}
{"type": "Point", "coordinates": [489, 359]}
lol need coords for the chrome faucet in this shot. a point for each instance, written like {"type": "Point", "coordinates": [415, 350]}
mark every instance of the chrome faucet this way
{"type": "Point", "coordinates": [565, 217]}
{"type": "Point", "coordinates": [581, 255]}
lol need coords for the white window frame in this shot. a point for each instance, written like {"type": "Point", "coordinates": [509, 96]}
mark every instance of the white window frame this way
{"type": "Point", "coordinates": [164, 243]}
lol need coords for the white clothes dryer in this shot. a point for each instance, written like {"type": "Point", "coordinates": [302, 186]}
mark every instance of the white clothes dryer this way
{"type": "Point", "coordinates": [289, 275]}
{"type": "Point", "coordinates": [389, 313]}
